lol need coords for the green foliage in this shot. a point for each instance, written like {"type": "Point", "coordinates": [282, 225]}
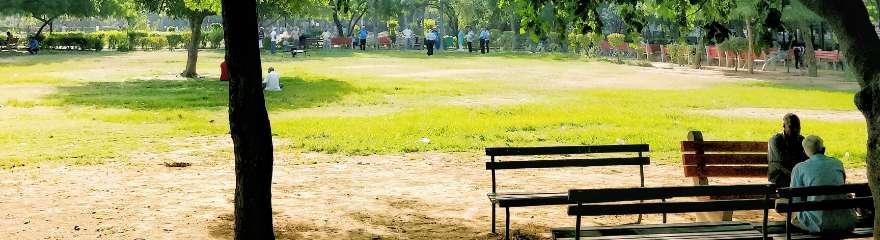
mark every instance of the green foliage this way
{"type": "Point", "coordinates": [49, 10]}
{"type": "Point", "coordinates": [679, 53]}
{"type": "Point", "coordinates": [214, 36]}
{"type": "Point", "coordinates": [735, 44]}
{"type": "Point", "coordinates": [429, 24]}
{"type": "Point", "coordinates": [76, 40]}
{"type": "Point", "coordinates": [174, 40]}
{"type": "Point", "coordinates": [616, 40]}
{"type": "Point", "coordinates": [153, 42]}
{"type": "Point", "coordinates": [504, 41]}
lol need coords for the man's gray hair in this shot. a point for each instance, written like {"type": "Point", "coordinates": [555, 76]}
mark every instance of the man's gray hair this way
{"type": "Point", "coordinates": [813, 144]}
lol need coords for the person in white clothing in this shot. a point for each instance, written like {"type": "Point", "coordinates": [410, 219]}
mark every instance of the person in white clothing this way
{"type": "Point", "coordinates": [273, 38]}
{"type": "Point", "coordinates": [407, 36]}
{"type": "Point", "coordinates": [272, 81]}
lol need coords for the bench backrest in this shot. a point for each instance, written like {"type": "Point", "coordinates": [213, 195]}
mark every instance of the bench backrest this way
{"type": "Point", "coordinates": [586, 199]}
{"type": "Point", "coordinates": [723, 158]}
{"type": "Point", "coordinates": [862, 200]}
{"type": "Point", "coordinates": [495, 152]}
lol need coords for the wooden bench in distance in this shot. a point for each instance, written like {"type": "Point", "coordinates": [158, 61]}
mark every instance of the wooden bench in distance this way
{"type": "Point", "coordinates": [597, 202]}
{"type": "Point", "coordinates": [862, 200]}
{"type": "Point", "coordinates": [509, 200]}
{"type": "Point", "coordinates": [722, 159]}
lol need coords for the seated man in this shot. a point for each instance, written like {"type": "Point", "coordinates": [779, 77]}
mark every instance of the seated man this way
{"type": "Point", "coordinates": [784, 151]}
{"type": "Point", "coordinates": [272, 81]}
{"type": "Point", "coordinates": [33, 45]}
{"type": "Point", "coordinates": [821, 170]}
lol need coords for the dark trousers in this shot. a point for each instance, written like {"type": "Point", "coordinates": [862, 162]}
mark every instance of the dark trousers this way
{"type": "Point", "coordinates": [363, 44]}
{"type": "Point", "coordinates": [798, 60]}
{"type": "Point", "coordinates": [430, 45]}
{"type": "Point", "coordinates": [470, 48]}
{"type": "Point", "coordinates": [487, 45]}
{"type": "Point", "coordinates": [483, 46]}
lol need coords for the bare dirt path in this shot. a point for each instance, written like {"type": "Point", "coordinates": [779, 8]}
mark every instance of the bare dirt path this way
{"type": "Point", "coordinates": [315, 196]}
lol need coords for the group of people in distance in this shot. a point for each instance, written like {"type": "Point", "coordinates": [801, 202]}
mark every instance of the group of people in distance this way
{"type": "Point", "coordinates": [433, 36]}
{"type": "Point", "coordinates": [798, 161]}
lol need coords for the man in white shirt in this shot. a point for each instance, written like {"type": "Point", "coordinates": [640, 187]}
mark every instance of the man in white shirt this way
{"type": "Point", "coordinates": [470, 39]}
{"type": "Point", "coordinates": [273, 37]}
{"type": "Point", "coordinates": [325, 36]}
{"type": "Point", "coordinates": [272, 81]}
{"type": "Point", "coordinates": [407, 36]}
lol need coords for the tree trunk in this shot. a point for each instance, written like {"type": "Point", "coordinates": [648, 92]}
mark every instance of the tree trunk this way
{"type": "Point", "coordinates": [810, 54]}
{"type": "Point", "coordinates": [46, 22]}
{"type": "Point", "coordinates": [514, 26]}
{"type": "Point", "coordinates": [248, 123]}
{"type": "Point", "coordinates": [192, 52]}
{"type": "Point", "coordinates": [877, 7]}
{"type": "Point", "coordinates": [701, 46]}
{"type": "Point", "coordinates": [849, 21]}
{"type": "Point", "coordinates": [751, 51]}
{"type": "Point", "coordinates": [339, 27]}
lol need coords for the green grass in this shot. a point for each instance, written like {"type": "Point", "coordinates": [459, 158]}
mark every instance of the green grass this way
{"type": "Point", "coordinates": [344, 102]}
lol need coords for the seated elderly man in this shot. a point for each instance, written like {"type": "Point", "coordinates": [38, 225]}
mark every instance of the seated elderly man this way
{"type": "Point", "coordinates": [821, 170]}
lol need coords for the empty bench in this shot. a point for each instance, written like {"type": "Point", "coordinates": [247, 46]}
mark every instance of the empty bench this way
{"type": "Point", "coordinates": [525, 199]}
{"type": "Point", "coordinates": [600, 202]}
{"type": "Point", "coordinates": [722, 159]}
{"type": "Point", "coordinates": [862, 200]}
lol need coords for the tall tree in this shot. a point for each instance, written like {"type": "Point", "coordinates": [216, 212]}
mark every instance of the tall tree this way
{"type": "Point", "coordinates": [798, 18]}
{"type": "Point", "coordinates": [248, 123]}
{"type": "Point", "coordinates": [195, 12]}
{"type": "Point", "coordinates": [46, 11]}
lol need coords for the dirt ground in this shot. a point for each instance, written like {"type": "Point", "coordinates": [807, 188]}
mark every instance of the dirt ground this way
{"type": "Point", "coordinates": [315, 196]}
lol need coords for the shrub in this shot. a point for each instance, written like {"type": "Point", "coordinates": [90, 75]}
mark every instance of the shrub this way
{"type": "Point", "coordinates": [616, 40]}
{"type": "Point", "coordinates": [174, 40]}
{"type": "Point", "coordinates": [429, 24]}
{"type": "Point", "coordinates": [679, 53]}
{"type": "Point", "coordinates": [504, 41]}
{"type": "Point", "coordinates": [214, 36]}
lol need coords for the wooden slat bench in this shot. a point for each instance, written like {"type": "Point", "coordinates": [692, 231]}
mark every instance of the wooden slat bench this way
{"type": "Point", "coordinates": [722, 159]}
{"type": "Point", "coordinates": [862, 200]}
{"type": "Point", "coordinates": [599, 202]}
{"type": "Point", "coordinates": [509, 200]}
{"type": "Point", "coordinates": [833, 58]}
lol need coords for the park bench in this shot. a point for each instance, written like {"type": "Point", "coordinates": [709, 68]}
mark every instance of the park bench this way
{"type": "Point", "coordinates": [11, 44]}
{"type": "Point", "coordinates": [833, 58]}
{"type": "Point", "coordinates": [722, 159]}
{"type": "Point", "coordinates": [313, 43]}
{"type": "Point", "coordinates": [862, 199]}
{"type": "Point", "coordinates": [385, 41]}
{"type": "Point", "coordinates": [620, 201]}
{"type": "Point", "coordinates": [525, 199]}
{"type": "Point", "coordinates": [712, 54]}
{"type": "Point", "coordinates": [340, 42]}
{"type": "Point", "coordinates": [651, 50]}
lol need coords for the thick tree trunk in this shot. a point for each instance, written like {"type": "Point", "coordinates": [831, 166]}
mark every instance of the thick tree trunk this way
{"type": "Point", "coordinates": [751, 51]}
{"type": "Point", "coordinates": [192, 52]}
{"type": "Point", "coordinates": [339, 27]}
{"type": "Point", "coordinates": [849, 21]}
{"type": "Point", "coordinates": [701, 46]}
{"type": "Point", "coordinates": [877, 7]}
{"type": "Point", "coordinates": [46, 22]}
{"type": "Point", "coordinates": [248, 123]}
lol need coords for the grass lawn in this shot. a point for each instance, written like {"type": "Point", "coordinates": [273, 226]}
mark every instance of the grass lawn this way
{"type": "Point", "coordinates": [77, 107]}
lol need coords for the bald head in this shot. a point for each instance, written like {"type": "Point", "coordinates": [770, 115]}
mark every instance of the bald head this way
{"type": "Point", "coordinates": [813, 145]}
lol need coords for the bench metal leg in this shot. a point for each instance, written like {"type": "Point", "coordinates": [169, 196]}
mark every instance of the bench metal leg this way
{"type": "Point", "coordinates": [788, 221]}
{"type": "Point", "coordinates": [577, 226]}
{"type": "Point", "coordinates": [507, 223]}
{"type": "Point", "coordinates": [493, 218]}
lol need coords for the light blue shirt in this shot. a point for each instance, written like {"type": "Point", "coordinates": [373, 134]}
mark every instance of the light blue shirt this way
{"type": "Point", "coordinates": [484, 35]}
{"type": "Point", "coordinates": [363, 33]}
{"type": "Point", "coordinates": [821, 170]}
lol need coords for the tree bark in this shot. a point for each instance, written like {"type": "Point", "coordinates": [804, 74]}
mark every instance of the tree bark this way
{"type": "Point", "coordinates": [248, 123]}
{"type": "Point", "coordinates": [339, 28]}
{"type": "Point", "coordinates": [849, 21]}
{"type": "Point", "coordinates": [810, 55]}
{"type": "Point", "coordinates": [46, 22]}
{"type": "Point", "coordinates": [192, 52]}
{"type": "Point", "coordinates": [751, 51]}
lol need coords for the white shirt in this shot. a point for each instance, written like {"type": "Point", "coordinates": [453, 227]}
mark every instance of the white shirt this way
{"type": "Point", "coordinates": [325, 36]}
{"type": "Point", "coordinates": [430, 36]}
{"type": "Point", "coordinates": [272, 81]}
{"type": "Point", "coordinates": [470, 36]}
{"type": "Point", "coordinates": [407, 33]}
{"type": "Point", "coordinates": [273, 36]}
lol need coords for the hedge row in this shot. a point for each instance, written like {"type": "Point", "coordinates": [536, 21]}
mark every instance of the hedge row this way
{"type": "Point", "coordinates": [127, 41]}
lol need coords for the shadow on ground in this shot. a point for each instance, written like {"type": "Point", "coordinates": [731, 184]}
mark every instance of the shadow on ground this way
{"type": "Point", "coordinates": [408, 221]}
{"type": "Point", "coordinates": [191, 94]}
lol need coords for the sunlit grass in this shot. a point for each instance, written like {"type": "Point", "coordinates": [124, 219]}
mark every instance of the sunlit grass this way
{"type": "Point", "coordinates": [383, 103]}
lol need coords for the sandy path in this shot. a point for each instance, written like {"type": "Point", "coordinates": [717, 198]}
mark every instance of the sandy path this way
{"type": "Point", "coordinates": [315, 196]}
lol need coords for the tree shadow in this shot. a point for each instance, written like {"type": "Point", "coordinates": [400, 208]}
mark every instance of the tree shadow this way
{"type": "Point", "coordinates": [21, 59]}
{"type": "Point", "coordinates": [196, 93]}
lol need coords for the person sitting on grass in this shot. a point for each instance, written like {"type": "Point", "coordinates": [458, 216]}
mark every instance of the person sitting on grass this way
{"type": "Point", "coordinates": [272, 81]}
{"type": "Point", "coordinates": [821, 170]}
{"type": "Point", "coordinates": [33, 44]}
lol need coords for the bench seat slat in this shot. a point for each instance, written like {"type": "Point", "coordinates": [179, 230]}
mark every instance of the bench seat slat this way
{"type": "Point", "coordinates": [605, 231]}
{"type": "Point", "coordinates": [668, 207]}
{"type": "Point", "coordinates": [725, 146]}
{"type": "Point", "coordinates": [865, 202]}
{"type": "Point", "coordinates": [861, 188]}
{"type": "Point", "coordinates": [559, 163]}
{"type": "Point", "coordinates": [725, 159]}
{"type": "Point", "coordinates": [635, 194]}
{"type": "Point", "coordinates": [729, 235]}
{"type": "Point", "coordinates": [726, 171]}
{"type": "Point", "coordinates": [560, 150]}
